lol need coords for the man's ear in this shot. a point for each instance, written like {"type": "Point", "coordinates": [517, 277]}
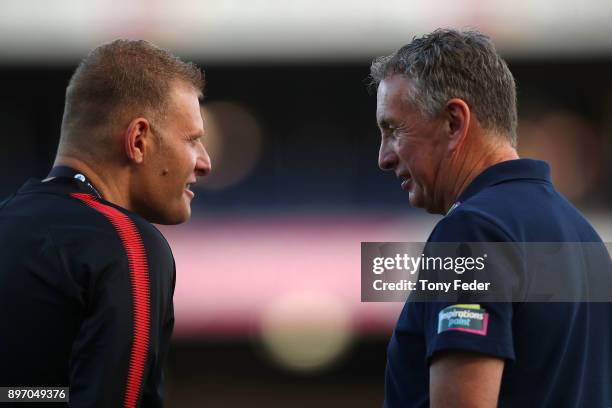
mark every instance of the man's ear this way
{"type": "Point", "coordinates": [136, 137]}
{"type": "Point", "coordinates": [458, 115]}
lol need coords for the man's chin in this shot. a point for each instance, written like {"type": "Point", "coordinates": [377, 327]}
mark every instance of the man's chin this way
{"type": "Point", "coordinates": [169, 217]}
{"type": "Point", "coordinates": [178, 218]}
{"type": "Point", "coordinates": [417, 201]}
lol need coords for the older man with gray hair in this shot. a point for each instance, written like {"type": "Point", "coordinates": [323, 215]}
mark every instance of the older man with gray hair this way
{"type": "Point", "coordinates": [446, 109]}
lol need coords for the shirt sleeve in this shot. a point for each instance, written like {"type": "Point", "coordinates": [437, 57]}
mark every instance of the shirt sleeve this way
{"type": "Point", "coordinates": [127, 318]}
{"type": "Point", "coordinates": [469, 324]}
{"type": "Point", "coordinates": [102, 349]}
{"type": "Point", "coordinates": [153, 393]}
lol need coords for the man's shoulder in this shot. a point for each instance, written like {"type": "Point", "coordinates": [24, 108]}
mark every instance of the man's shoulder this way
{"type": "Point", "coordinates": [468, 223]}
{"type": "Point", "coordinates": [128, 226]}
{"type": "Point", "coordinates": [45, 209]}
{"type": "Point", "coordinates": [76, 217]}
{"type": "Point", "coordinates": [519, 211]}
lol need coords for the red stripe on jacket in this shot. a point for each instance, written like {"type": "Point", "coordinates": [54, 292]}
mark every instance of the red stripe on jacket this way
{"type": "Point", "coordinates": [139, 277]}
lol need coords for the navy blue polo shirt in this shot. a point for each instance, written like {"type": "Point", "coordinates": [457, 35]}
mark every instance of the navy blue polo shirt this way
{"type": "Point", "coordinates": [557, 354]}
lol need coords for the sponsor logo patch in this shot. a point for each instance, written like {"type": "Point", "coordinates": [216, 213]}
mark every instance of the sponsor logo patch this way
{"type": "Point", "coordinates": [465, 318]}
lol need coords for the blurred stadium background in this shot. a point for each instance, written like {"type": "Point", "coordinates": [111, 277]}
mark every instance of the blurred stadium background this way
{"type": "Point", "coordinates": [267, 301]}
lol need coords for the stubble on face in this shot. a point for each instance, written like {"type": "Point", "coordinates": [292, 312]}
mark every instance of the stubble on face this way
{"type": "Point", "coordinates": [173, 158]}
{"type": "Point", "coordinates": [415, 144]}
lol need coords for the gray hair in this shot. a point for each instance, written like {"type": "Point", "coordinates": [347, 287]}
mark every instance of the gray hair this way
{"type": "Point", "coordinates": [448, 64]}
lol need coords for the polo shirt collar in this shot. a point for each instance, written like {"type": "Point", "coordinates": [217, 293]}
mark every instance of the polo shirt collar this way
{"type": "Point", "coordinates": [520, 169]}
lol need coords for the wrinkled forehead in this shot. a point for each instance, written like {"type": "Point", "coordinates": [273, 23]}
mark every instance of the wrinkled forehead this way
{"type": "Point", "coordinates": [392, 87]}
{"type": "Point", "coordinates": [391, 94]}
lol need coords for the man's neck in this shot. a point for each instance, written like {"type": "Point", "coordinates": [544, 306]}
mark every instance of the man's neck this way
{"type": "Point", "coordinates": [106, 182]}
{"type": "Point", "coordinates": [471, 165]}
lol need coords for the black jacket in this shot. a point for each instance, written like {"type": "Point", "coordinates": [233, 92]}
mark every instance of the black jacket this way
{"type": "Point", "coordinates": [85, 296]}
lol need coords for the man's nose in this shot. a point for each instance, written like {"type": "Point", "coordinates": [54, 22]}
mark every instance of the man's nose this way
{"type": "Point", "coordinates": [203, 165]}
{"type": "Point", "coordinates": [387, 159]}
